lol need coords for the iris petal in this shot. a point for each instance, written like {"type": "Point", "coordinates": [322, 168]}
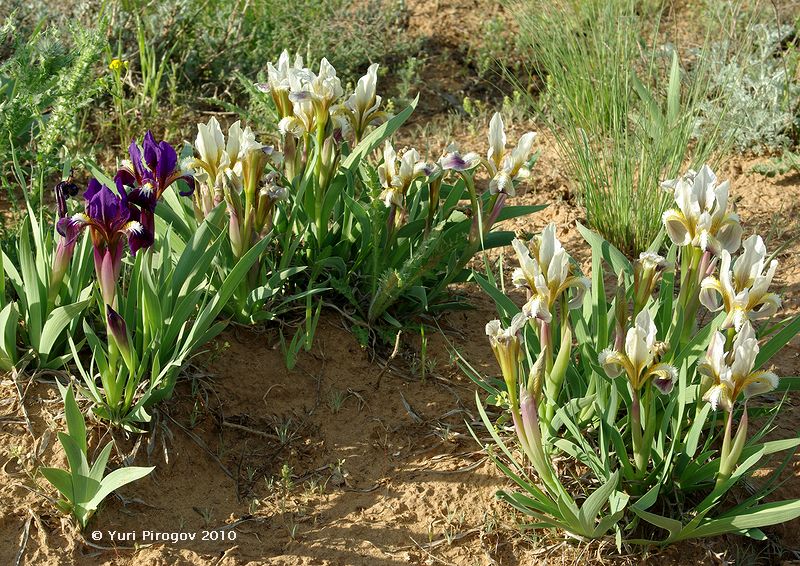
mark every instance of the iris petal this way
{"type": "Point", "coordinates": [105, 208]}
{"type": "Point", "coordinates": [664, 377]}
{"type": "Point", "coordinates": [151, 151]}
{"type": "Point", "coordinates": [167, 161]}
{"type": "Point", "coordinates": [125, 177]}
{"type": "Point", "coordinates": [92, 189]}
{"type": "Point", "coordinates": [760, 382]}
{"type": "Point", "coordinates": [711, 293]}
{"type": "Point", "coordinates": [189, 180]}
{"type": "Point", "coordinates": [677, 228]}
{"type": "Point", "coordinates": [136, 160]}
{"type": "Point", "coordinates": [612, 362]}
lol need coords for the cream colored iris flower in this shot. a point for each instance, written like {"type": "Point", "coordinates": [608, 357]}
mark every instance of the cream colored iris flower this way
{"type": "Point", "coordinates": [505, 167]}
{"type": "Point", "coordinates": [638, 360]}
{"type": "Point", "coordinates": [396, 175]}
{"type": "Point", "coordinates": [278, 74]}
{"type": "Point", "coordinates": [363, 108]}
{"type": "Point", "coordinates": [545, 270]}
{"type": "Point", "coordinates": [701, 218]}
{"type": "Point", "coordinates": [217, 153]}
{"type": "Point", "coordinates": [454, 160]}
{"type": "Point", "coordinates": [219, 157]}
{"type": "Point", "coordinates": [325, 86]}
{"type": "Point", "coordinates": [277, 84]}
{"type": "Point", "coordinates": [732, 372]}
{"type": "Point", "coordinates": [743, 290]}
{"type": "Point", "coordinates": [302, 119]}
{"type": "Point", "coordinates": [507, 347]}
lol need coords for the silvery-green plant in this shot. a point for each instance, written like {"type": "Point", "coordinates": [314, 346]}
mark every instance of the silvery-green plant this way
{"type": "Point", "coordinates": [759, 75]}
{"type": "Point", "coordinates": [84, 486]}
{"type": "Point", "coordinates": [653, 398]}
{"type": "Point", "coordinates": [787, 162]}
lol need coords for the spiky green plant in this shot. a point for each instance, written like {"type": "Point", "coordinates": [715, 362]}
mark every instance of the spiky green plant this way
{"type": "Point", "coordinates": [44, 84]}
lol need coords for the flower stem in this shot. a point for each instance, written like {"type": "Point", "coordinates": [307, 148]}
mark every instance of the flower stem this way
{"type": "Point", "coordinates": [320, 194]}
{"type": "Point", "coordinates": [639, 455]}
{"type": "Point", "coordinates": [731, 448]}
{"type": "Point", "coordinates": [475, 232]}
{"type": "Point", "coordinates": [433, 203]}
{"type": "Point", "coordinates": [688, 296]}
{"type": "Point", "coordinates": [546, 343]}
{"type": "Point", "coordinates": [724, 472]}
{"type": "Point", "coordinates": [530, 436]}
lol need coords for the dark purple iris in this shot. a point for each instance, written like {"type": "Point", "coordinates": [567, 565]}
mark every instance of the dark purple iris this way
{"type": "Point", "coordinates": [109, 217]}
{"type": "Point", "coordinates": [151, 170]}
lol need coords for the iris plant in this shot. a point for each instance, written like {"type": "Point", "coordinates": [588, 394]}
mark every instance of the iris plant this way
{"type": "Point", "coordinates": [731, 376]}
{"type": "Point", "coordinates": [111, 219]}
{"type": "Point", "coordinates": [503, 166]}
{"type": "Point", "coordinates": [244, 174]}
{"type": "Point", "coordinates": [363, 108]}
{"type": "Point", "coordinates": [385, 218]}
{"type": "Point", "coordinates": [639, 361]}
{"type": "Point", "coordinates": [219, 161]}
{"type": "Point", "coordinates": [396, 177]}
{"type": "Point", "coordinates": [234, 170]}
{"type": "Point", "coordinates": [524, 395]}
{"type": "Point", "coordinates": [547, 275]}
{"type": "Point", "coordinates": [66, 246]}
{"type": "Point", "coordinates": [742, 291]}
{"type": "Point", "coordinates": [637, 409]}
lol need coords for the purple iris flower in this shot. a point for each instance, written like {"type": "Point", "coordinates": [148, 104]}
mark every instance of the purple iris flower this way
{"type": "Point", "coordinates": [109, 217]}
{"type": "Point", "coordinates": [151, 170]}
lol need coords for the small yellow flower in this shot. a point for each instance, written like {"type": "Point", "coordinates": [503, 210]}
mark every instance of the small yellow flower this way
{"type": "Point", "coordinates": [118, 65]}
